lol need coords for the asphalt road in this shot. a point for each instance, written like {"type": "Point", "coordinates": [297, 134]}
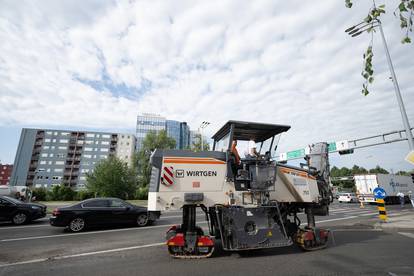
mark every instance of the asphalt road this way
{"type": "Point", "coordinates": [355, 248]}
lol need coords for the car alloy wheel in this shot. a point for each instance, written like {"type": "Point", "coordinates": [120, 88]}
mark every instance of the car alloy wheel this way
{"type": "Point", "coordinates": [19, 218]}
{"type": "Point", "coordinates": [77, 224]}
{"type": "Point", "coordinates": [142, 219]}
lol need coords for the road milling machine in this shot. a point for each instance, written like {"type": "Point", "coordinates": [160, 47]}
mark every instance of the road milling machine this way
{"type": "Point", "coordinates": [251, 204]}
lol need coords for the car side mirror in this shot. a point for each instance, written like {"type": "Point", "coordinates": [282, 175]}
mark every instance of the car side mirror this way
{"type": "Point", "coordinates": [127, 208]}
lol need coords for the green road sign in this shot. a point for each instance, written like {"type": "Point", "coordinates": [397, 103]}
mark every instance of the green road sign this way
{"type": "Point", "coordinates": [295, 153]}
{"type": "Point", "coordinates": [331, 146]}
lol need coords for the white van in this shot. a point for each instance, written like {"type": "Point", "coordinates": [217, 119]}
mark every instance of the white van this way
{"type": "Point", "coordinates": [347, 197]}
{"type": "Point", "coordinates": [5, 190]}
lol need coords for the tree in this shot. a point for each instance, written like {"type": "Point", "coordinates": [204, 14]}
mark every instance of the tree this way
{"type": "Point", "coordinates": [358, 170]}
{"type": "Point", "coordinates": [60, 192]}
{"type": "Point", "coordinates": [404, 12]}
{"type": "Point", "coordinates": [196, 146]}
{"type": "Point", "coordinates": [378, 169]}
{"type": "Point", "coordinates": [112, 178]}
{"type": "Point", "coordinates": [152, 141]}
{"type": "Point", "coordinates": [39, 193]}
{"type": "Point", "coordinates": [344, 171]}
{"type": "Point", "coordinates": [404, 173]}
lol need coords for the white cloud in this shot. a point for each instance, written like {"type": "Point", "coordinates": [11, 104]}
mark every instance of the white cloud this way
{"type": "Point", "coordinates": [97, 64]}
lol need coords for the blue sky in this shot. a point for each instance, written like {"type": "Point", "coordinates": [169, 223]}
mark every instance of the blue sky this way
{"type": "Point", "coordinates": [97, 64]}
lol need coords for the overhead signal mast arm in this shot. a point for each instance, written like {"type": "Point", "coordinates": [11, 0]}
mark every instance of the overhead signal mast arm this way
{"type": "Point", "coordinates": [348, 146]}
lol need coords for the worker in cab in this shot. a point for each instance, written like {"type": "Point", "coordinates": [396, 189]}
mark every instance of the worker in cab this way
{"type": "Point", "coordinates": [235, 152]}
{"type": "Point", "coordinates": [252, 149]}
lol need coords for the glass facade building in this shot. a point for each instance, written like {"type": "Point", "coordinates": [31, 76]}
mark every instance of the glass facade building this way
{"type": "Point", "coordinates": [146, 123]}
{"type": "Point", "coordinates": [173, 131]}
{"type": "Point", "coordinates": [179, 131]}
{"type": "Point", "coordinates": [184, 136]}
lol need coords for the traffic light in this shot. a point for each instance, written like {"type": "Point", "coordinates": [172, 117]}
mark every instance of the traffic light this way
{"type": "Point", "coordinates": [412, 177]}
{"type": "Point", "coordinates": [349, 151]}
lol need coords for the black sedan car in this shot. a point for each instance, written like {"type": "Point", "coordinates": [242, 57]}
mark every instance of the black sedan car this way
{"type": "Point", "coordinates": [20, 212]}
{"type": "Point", "coordinates": [99, 212]}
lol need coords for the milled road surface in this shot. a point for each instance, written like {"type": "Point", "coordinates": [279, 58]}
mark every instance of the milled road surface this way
{"type": "Point", "coordinates": [356, 248]}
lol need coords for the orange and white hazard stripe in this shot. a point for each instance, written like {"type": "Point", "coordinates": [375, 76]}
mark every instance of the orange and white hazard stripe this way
{"type": "Point", "coordinates": [193, 160]}
{"type": "Point", "coordinates": [167, 176]}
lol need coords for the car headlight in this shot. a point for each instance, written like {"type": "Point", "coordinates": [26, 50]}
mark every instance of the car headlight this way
{"type": "Point", "coordinates": [36, 207]}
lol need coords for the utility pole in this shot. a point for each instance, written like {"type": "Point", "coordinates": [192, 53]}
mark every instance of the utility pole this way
{"type": "Point", "coordinates": [203, 125]}
{"type": "Point", "coordinates": [397, 92]}
{"type": "Point", "coordinates": [361, 28]}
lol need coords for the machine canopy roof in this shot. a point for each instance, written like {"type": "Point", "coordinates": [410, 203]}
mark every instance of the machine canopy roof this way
{"type": "Point", "coordinates": [259, 132]}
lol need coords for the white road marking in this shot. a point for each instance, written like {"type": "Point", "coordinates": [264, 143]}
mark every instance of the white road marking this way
{"type": "Point", "coordinates": [24, 262]}
{"type": "Point", "coordinates": [140, 228]}
{"type": "Point", "coordinates": [339, 209]}
{"type": "Point", "coordinates": [84, 254]}
{"type": "Point", "coordinates": [27, 226]}
{"type": "Point", "coordinates": [349, 211]}
{"type": "Point", "coordinates": [89, 233]}
{"type": "Point", "coordinates": [164, 217]}
{"type": "Point", "coordinates": [128, 248]}
{"type": "Point", "coordinates": [410, 235]}
{"type": "Point", "coordinates": [366, 212]}
{"type": "Point", "coordinates": [348, 217]}
{"type": "Point", "coordinates": [43, 225]}
{"type": "Point", "coordinates": [357, 230]}
{"type": "Point", "coordinates": [328, 220]}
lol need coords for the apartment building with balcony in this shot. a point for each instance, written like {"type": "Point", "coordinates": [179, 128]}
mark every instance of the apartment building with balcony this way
{"type": "Point", "coordinates": [47, 157]}
{"type": "Point", "coordinates": [5, 173]}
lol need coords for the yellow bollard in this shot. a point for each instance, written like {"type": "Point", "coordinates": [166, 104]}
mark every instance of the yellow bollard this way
{"type": "Point", "coordinates": [381, 209]}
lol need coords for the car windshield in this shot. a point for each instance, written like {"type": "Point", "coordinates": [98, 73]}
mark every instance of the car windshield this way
{"type": "Point", "coordinates": [12, 199]}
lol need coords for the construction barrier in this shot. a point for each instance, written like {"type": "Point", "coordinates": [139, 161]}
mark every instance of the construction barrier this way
{"type": "Point", "coordinates": [381, 209]}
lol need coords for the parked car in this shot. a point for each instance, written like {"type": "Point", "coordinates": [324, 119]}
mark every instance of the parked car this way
{"type": "Point", "coordinates": [347, 197]}
{"type": "Point", "coordinates": [99, 212]}
{"type": "Point", "coordinates": [20, 212]}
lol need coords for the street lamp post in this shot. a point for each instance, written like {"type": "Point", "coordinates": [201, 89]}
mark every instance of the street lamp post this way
{"type": "Point", "coordinates": [359, 29]}
{"type": "Point", "coordinates": [203, 125]}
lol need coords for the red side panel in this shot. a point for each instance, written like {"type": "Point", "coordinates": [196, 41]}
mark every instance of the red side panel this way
{"type": "Point", "coordinates": [177, 240]}
{"type": "Point", "coordinates": [205, 241]}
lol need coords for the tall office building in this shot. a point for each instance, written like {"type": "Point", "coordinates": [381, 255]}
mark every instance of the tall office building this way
{"type": "Point", "coordinates": [179, 131]}
{"type": "Point", "coordinates": [47, 157]}
{"type": "Point", "coordinates": [148, 122]}
{"type": "Point", "coordinates": [184, 135]}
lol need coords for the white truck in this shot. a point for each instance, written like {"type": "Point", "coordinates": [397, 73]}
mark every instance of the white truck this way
{"type": "Point", "coordinates": [12, 190]}
{"type": "Point", "coordinates": [391, 183]}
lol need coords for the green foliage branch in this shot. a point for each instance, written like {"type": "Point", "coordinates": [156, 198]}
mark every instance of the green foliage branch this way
{"type": "Point", "coordinates": [404, 12]}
